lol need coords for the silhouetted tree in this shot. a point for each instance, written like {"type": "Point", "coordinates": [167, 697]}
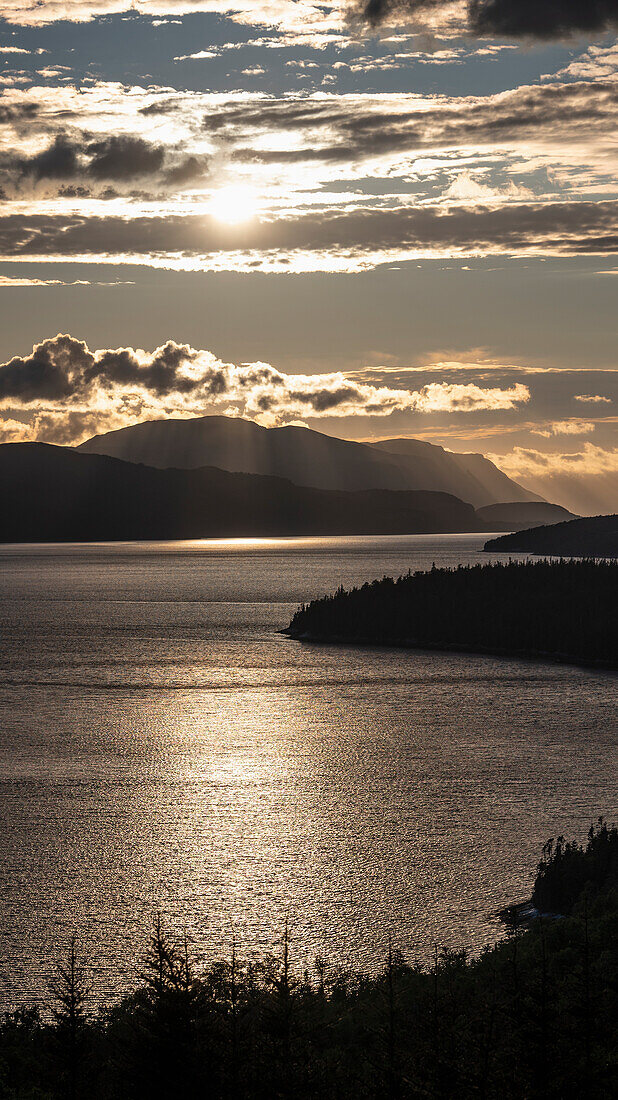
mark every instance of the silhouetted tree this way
{"type": "Point", "coordinates": [70, 993]}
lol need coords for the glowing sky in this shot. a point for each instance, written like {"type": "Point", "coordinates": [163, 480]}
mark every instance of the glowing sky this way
{"type": "Point", "coordinates": [397, 221]}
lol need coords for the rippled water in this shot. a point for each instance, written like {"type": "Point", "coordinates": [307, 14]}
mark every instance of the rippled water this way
{"type": "Point", "coordinates": [163, 748]}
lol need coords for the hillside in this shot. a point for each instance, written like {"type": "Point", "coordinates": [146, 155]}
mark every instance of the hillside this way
{"type": "Point", "coordinates": [560, 610]}
{"type": "Point", "coordinates": [522, 514]}
{"type": "Point", "coordinates": [307, 458]}
{"type": "Point", "coordinates": [592, 537]}
{"type": "Point", "coordinates": [54, 494]}
{"type": "Point", "coordinates": [478, 480]}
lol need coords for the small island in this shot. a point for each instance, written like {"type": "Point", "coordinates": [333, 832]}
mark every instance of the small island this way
{"type": "Point", "coordinates": [593, 537]}
{"type": "Point", "coordinates": [562, 611]}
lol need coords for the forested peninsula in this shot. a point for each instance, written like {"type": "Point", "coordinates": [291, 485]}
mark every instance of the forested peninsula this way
{"type": "Point", "coordinates": [564, 611]}
{"type": "Point", "coordinates": [592, 537]}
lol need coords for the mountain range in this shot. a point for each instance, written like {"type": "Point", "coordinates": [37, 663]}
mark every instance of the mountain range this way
{"type": "Point", "coordinates": [219, 476]}
{"type": "Point", "coordinates": [309, 458]}
{"type": "Point", "coordinates": [51, 494]}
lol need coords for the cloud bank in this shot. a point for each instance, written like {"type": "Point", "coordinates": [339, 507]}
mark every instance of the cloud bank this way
{"type": "Point", "coordinates": [100, 173]}
{"type": "Point", "coordinates": [72, 392]}
{"type": "Point", "coordinates": [534, 19]}
{"type": "Point", "coordinates": [316, 241]}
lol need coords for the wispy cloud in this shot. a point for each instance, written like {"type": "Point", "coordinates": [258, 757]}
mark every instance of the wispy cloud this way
{"type": "Point", "coordinates": [566, 427]}
{"type": "Point", "coordinates": [593, 399]}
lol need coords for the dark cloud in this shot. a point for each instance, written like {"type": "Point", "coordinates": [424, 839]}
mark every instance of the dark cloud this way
{"type": "Point", "coordinates": [119, 159]}
{"type": "Point", "coordinates": [188, 170]}
{"type": "Point", "coordinates": [541, 19]}
{"type": "Point", "coordinates": [63, 368]}
{"type": "Point", "coordinates": [376, 11]}
{"type": "Point", "coordinates": [17, 112]}
{"type": "Point", "coordinates": [48, 374]}
{"type": "Point", "coordinates": [159, 375]}
{"type": "Point", "coordinates": [122, 157]}
{"type": "Point", "coordinates": [543, 228]}
{"type": "Point", "coordinates": [553, 112]}
{"type": "Point", "coordinates": [59, 161]}
{"type": "Point", "coordinates": [160, 107]}
{"type": "Point", "coordinates": [545, 19]}
{"type": "Point", "coordinates": [73, 191]}
{"type": "Point", "coordinates": [322, 400]}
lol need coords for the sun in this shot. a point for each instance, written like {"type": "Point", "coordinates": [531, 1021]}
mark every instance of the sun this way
{"type": "Point", "coordinates": [233, 204]}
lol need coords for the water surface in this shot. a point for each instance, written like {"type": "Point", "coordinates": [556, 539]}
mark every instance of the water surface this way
{"type": "Point", "coordinates": [163, 748]}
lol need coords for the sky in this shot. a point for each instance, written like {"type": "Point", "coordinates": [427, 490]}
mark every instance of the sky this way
{"type": "Point", "coordinates": [375, 218]}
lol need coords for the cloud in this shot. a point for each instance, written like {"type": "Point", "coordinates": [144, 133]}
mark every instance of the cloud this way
{"type": "Point", "coordinates": [466, 188]}
{"type": "Point", "coordinates": [566, 427]}
{"type": "Point", "coordinates": [69, 388]}
{"type": "Point", "coordinates": [59, 161]}
{"type": "Point", "coordinates": [460, 397]}
{"type": "Point", "coordinates": [304, 21]}
{"type": "Point", "coordinates": [554, 140]}
{"type": "Point", "coordinates": [308, 20]}
{"type": "Point", "coordinates": [593, 398]}
{"type": "Point", "coordinates": [121, 157]}
{"type": "Point", "coordinates": [598, 62]}
{"type": "Point", "coordinates": [317, 240]}
{"type": "Point", "coordinates": [585, 481]}
{"type": "Point", "coordinates": [534, 19]}
{"type": "Point", "coordinates": [558, 115]}
{"type": "Point", "coordinates": [8, 281]}
{"type": "Point", "coordinates": [14, 431]}
{"type": "Point", "coordinates": [447, 167]}
{"type": "Point", "coordinates": [590, 461]}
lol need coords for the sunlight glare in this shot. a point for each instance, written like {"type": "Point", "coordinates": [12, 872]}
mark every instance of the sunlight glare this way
{"type": "Point", "coordinates": [233, 204]}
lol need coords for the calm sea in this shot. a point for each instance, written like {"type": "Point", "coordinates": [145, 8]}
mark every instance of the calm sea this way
{"type": "Point", "coordinates": [164, 749]}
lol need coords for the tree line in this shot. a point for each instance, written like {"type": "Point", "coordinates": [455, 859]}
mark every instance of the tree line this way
{"type": "Point", "coordinates": [534, 1018]}
{"type": "Point", "coordinates": [562, 609]}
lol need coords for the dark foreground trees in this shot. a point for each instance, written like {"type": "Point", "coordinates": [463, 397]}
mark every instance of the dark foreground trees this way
{"type": "Point", "coordinates": [535, 1018]}
{"type": "Point", "coordinates": [562, 609]}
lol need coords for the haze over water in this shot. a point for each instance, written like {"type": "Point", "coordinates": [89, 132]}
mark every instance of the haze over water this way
{"type": "Point", "coordinates": [163, 748]}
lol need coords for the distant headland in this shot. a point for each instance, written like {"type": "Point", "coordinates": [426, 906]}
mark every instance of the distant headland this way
{"type": "Point", "coordinates": [594, 537]}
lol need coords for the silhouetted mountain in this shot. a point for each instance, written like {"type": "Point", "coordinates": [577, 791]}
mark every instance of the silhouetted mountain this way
{"type": "Point", "coordinates": [593, 537]}
{"type": "Point", "coordinates": [55, 494]}
{"type": "Point", "coordinates": [307, 457]}
{"type": "Point", "coordinates": [476, 478]}
{"type": "Point", "coordinates": [522, 514]}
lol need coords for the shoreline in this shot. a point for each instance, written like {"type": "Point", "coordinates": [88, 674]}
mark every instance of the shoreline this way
{"type": "Point", "coordinates": [446, 647]}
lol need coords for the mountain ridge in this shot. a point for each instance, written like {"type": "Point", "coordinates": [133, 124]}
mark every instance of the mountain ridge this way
{"type": "Point", "coordinates": [308, 458]}
{"type": "Point", "coordinates": [58, 494]}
